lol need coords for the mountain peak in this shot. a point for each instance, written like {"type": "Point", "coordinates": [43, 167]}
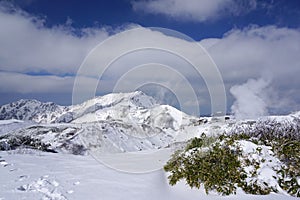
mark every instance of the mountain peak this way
{"type": "Point", "coordinates": [34, 110]}
{"type": "Point", "coordinates": [140, 99]}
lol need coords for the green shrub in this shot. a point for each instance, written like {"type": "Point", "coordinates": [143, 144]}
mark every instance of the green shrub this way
{"type": "Point", "coordinates": [218, 164]}
{"type": "Point", "coordinates": [217, 168]}
{"type": "Point", "coordinates": [203, 141]}
{"type": "Point", "coordinates": [256, 188]}
{"type": "Point", "coordinates": [284, 138]}
{"type": "Point", "coordinates": [289, 153]}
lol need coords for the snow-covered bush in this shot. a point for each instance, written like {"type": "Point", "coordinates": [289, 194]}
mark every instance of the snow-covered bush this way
{"type": "Point", "coordinates": [217, 167]}
{"type": "Point", "coordinates": [74, 148]}
{"type": "Point", "coordinates": [24, 141]}
{"type": "Point", "coordinates": [283, 137]}
{"type": "Point", "coordinates": [289, 153]}
{"type": "Point", "coordinates": [255, 163]}
{"type": "Point", "coordinates": [268, 130]}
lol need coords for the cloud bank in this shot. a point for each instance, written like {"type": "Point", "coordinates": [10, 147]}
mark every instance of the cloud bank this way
{"type": "Point", "coordinates": [27, 45]}
{"type": "Point", "coordinates": [35, 59]}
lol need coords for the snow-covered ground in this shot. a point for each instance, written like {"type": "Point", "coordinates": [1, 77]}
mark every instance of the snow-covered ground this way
{"type": "Point", "coordinates": [11, 125]}
{"type": "Point", "coordinates": [39, 175]}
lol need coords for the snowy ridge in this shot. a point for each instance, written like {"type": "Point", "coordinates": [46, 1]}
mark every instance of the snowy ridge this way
{"type": "Point", "coordinates": [124, 122]}
{"type": "Point", "coordinates": [105, 137]}
{"type": "Point", "coordinates": [31, 110]}
{"type": "Point", "coordinates": [119, 102]}
{"type": "Point", "coordinates": [12, 125]}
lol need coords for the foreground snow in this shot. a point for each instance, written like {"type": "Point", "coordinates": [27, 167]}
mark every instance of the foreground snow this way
{"type": "Point", "coordinates": [39, 175]}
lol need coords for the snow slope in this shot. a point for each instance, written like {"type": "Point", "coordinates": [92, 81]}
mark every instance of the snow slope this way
{"type": "Point", "coordinates": [114, 123]}
{"type": "Point", "coordinates": [135, 107]}
{"type": "Point", "coordinates": [11, 125]}
{"type": "Point", "coordinates": [49, 112]}
{"type": "Point", "coordinates": [31, 110]}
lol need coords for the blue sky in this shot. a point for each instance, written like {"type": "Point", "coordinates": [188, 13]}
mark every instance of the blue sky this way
{"type": "Point", "coordinates": [119, 12]}
{"type": "Point", "coordinates": [255, 44]}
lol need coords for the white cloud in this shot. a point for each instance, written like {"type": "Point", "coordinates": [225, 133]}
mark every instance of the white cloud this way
{"type": "Point", "coordinates": [24, 84]}
{"type": "Point", "coordinates": [251, 99]}
{"type": "Point", "coordinates": [269, 52]}
{"type": "Point", "coordinates": [257, 51]}
{"type": "Point", "coordinates": [194, 10]}
{"type": "Point", "coordinates": [28, 45]}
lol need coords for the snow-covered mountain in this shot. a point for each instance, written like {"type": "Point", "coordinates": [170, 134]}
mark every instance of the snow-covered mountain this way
{"type": "Point", "coordinates": [123, 122]}
{"type": "Point", "coordinates": [111, 106]}
{"type": "Point", "coordinates": [118, 122]}
{"type": "Point", "coordinates": [32, 110]}
{"type": "Point", "coordinates": [133, 107]}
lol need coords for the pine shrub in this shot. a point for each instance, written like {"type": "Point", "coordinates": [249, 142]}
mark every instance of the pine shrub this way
{"type": "Point", "coordinates": [217, 168]}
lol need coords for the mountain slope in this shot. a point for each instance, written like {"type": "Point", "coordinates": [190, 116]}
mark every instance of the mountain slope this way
{"type": "Point", "coordinates": [32, 110]}
{"type": "Point", "coordinates": [131, 108]}
{"type": "Point", "coordinates": [124, 122]}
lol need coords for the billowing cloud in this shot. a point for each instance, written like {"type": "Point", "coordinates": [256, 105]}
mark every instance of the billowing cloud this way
{"type": "Point", "coordinates": [268, 52]}
{"type": "Point", "coordinates": [27, 45]}
{"type": "Point", "coordinates": [256, 51]}
{"type": "Point", "coordinates": [256, 98]}
{"type": "Point", "coordinates": [251, 99]}
{"type": "Point", "coordinates": [194, 10]}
